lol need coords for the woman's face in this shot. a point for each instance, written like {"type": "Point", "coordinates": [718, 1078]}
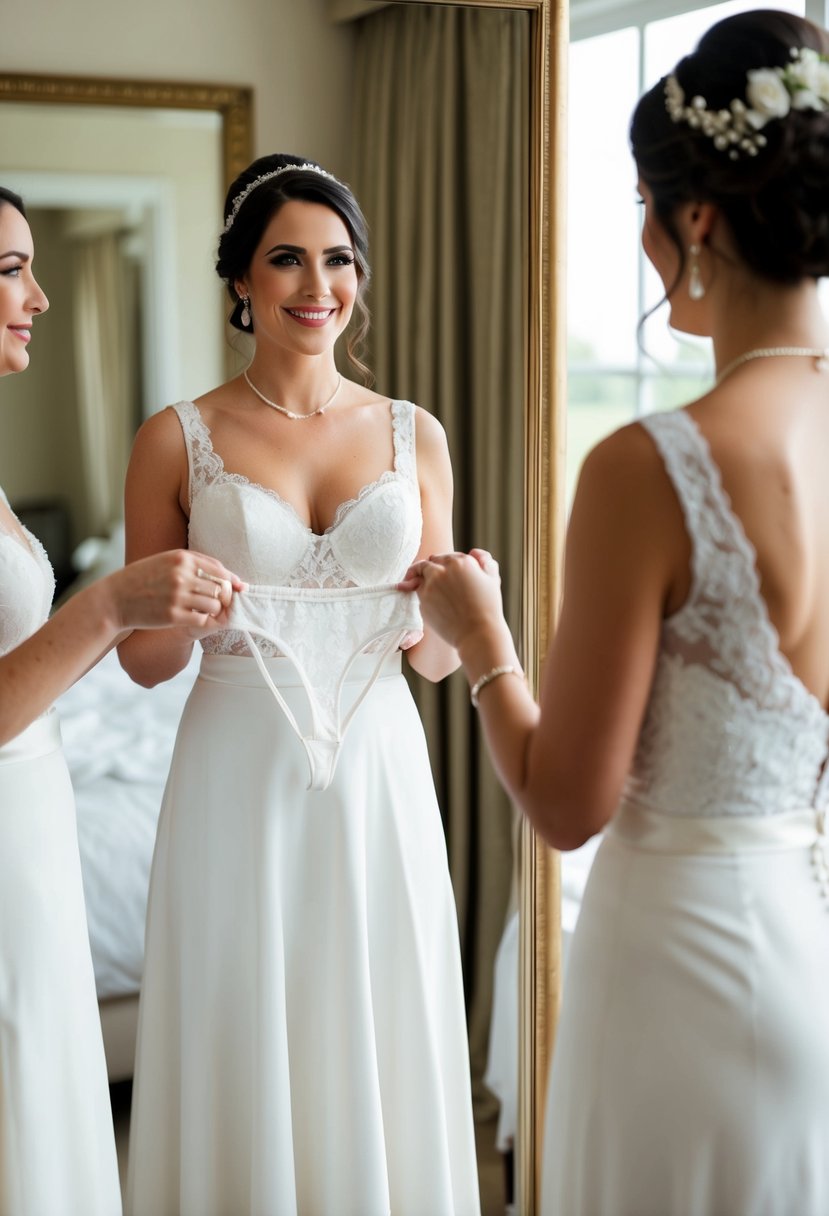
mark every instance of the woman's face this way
{"type": "Point", "coordinates": [302, 280]}
{"type": "Point", "coordinates": [660, 248]}
{"type": "Point", "coordinates": [20, 297]}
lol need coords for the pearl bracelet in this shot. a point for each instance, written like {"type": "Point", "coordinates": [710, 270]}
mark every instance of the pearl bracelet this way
{"type": "Point", "coordinates": [505, 670]}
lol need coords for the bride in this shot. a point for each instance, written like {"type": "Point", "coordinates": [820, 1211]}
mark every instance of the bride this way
{"type": "Point", "coordinates": [302, 1042]}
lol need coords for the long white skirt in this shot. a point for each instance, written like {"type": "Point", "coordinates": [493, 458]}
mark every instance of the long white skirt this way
{"type": "Point", "coordinates": [691, 1067]}
{"type": "Point", "coordinates": [57, 1149]}
{"type": "Point", "coordinates": [302, 1041]}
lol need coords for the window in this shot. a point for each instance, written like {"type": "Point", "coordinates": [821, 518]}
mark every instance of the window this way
{"type": "Point", "coordinates": [612, 379]}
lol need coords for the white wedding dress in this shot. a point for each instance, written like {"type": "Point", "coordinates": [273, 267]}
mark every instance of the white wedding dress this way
{"type": "Point", "coordinates": [57, 1149]}
{"type": "Point", "coordinates": [691, 1066]}
{"type": "Point", "coordinates": [302, 1039]}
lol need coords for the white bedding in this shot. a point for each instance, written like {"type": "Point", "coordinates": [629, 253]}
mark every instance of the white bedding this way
{"type": "Point", "coordinates": [118, 739]}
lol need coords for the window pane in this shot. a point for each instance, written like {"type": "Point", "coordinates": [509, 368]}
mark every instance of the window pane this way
{"type": "Point", "coordinates": [597, 405]}
{"type": "Point", "coordinates": [603, 228]}
{"type": "Point", "coordinates": [668, 40]}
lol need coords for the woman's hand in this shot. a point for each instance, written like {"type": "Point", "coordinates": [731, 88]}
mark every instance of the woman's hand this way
{"type": "Point", "coordinates": [460, 594]}
{"type": "Point", "coordinates": [177, 588]}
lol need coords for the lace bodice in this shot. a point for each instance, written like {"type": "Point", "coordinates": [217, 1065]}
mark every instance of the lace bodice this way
{"type": "Point", "coordinates": [729, 728]}
{"type": "Point", "coordinates": [27, 586]}
{"type": "Point", "coordinates": [372, 540]}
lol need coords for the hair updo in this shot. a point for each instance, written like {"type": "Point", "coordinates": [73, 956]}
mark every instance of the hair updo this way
{"type": "Point", "coordinates": [238, 244]}
{"type": "Point", "coordinates": [776, 203]}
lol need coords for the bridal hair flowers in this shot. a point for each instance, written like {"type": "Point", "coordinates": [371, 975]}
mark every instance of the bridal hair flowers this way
{"type": "Point", "coordinates": [266, 177]}
{"type": "Point", "coordinates": [770, 93]}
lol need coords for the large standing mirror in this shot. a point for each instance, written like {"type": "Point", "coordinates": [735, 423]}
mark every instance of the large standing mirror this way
{"type": "Point", "coordinates": [125, 181]}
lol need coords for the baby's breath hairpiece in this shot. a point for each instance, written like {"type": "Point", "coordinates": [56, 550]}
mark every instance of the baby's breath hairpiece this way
{"type": "Point", "coordinates": [770, 93]}
{"type": "Point", "coordinates": [266, 177]}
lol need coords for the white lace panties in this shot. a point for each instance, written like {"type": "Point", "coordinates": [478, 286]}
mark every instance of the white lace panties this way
{"type": "Point", "coordinates": [322, 632]}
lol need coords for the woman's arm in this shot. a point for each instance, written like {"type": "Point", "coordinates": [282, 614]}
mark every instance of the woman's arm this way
{"type": "Point", "coordinates": [432, 657]}
{"type": "Point", "coordinates": [565, 763]}
{"type": "Point", "coordinates": [164, 590]}
{"type": "Point", "coordinates": [154, 511]}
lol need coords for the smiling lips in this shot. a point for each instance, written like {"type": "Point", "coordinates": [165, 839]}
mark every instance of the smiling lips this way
{"type": "Point", "coordinates": [23, 332]}
{"type": "Point", "coordinates": [311, 316]}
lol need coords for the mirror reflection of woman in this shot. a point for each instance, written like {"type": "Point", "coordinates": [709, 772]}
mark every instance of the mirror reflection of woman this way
{"type": "Point", "coordinates": [57, 1149]}
{"type": "Point", "coordinates": [302, 1043]}
{"type": "Point", "coordinates": [684, 701]}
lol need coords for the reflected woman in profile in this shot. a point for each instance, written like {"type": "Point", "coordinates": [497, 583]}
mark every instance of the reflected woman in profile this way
{"type": "Point", "coordinates": [684, 701]}
{"type": "Point", "coordinates": [57, 1150]}
{"type": "Point", "coordinates": [302, 1043]}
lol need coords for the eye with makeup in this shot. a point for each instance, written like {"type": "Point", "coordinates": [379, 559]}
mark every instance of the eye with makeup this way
{"type": "Point", "coordinates": [292, 259]}
{"type": "Point", "coordinates": [12, 271]}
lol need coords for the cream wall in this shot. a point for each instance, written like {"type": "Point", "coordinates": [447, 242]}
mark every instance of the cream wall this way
{"type": "Point", "coordinates": [297, 61]}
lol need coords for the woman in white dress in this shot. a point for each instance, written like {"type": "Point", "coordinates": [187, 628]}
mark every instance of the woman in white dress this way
{"type": "Point", "coordinates": [302, 1041]}
{"type": "Point", "coordinates": [683, 703]}
{"type": "Point", "coordinates": [57, 1150]}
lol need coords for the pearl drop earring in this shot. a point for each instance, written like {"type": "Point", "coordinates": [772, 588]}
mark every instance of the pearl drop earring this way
{"type": "Point", "coordinates": [696, 287]}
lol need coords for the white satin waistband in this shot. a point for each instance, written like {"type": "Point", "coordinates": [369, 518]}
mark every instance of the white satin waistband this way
{"type": "Point", "coordinates": [242, 669]}
{"type": "Point", "coordinates": [659, 833]}
{"type": "Point", "coordinates": [40, 739]}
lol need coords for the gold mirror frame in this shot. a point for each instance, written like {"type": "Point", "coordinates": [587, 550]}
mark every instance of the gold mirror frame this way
{"type": "Point", "coordinates": [540, 973]}
{"type": "Point", "coordinates": [233, 104]}
{"type": "Point", "coordinates": [540, 900]}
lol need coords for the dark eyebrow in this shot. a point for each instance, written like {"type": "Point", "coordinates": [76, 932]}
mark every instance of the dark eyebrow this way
{"type": "Point", "coordinates": [15, 253]}
{"type": "Point", "coordinates": [299, 249]}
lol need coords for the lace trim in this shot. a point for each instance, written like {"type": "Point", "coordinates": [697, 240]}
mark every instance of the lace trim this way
{"type": "Point", "coordinates": [206, 466]}
{"type": "Point", "coordinates": [31, 545]}
{"type": "Point", "coordinates": [724, 570]}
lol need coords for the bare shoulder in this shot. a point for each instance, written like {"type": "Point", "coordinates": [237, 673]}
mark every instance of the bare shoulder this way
{"type": "Point", "coordinates": [625, 496]}
{"type": "Point", "coordinates": [160, 433]}
{"type": "Point", "coordinates": [430, 435]}
{"type": "Point", "coordinates": [159, 453]}
{"type": "Point", "coordinates": [626, 465]}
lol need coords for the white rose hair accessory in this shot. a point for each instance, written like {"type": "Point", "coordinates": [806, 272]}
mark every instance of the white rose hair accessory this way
{"type": "Point", "coordinates": [770, 93]}
{"type": "Point", "coordinates": [266, 177]}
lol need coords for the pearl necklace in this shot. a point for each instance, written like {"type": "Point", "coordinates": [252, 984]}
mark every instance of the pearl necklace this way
{"type": "Point", "coordinates": [820, 356]}
{"type": "Point", "coordinates": [290, 413]}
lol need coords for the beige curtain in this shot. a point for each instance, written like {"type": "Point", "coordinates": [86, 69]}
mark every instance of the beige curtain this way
{"type": "Point", "coordinates": [105, 319]}
{"type": "Point", "coordinates": [441, 129]}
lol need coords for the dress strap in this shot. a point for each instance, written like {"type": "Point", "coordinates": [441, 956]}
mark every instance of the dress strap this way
{"type": "Point", "coordinates": [744, 644]}
{"type": "Point", "coordinates": [709, 520]}
{"type": "Point", "coordinates": [403, 432]}
{"type": "Point", "coordinates": [203, 463]}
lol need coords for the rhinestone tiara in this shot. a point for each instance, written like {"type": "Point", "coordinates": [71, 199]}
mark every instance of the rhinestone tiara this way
{"type": "Point", "coordinates": [266, 177]}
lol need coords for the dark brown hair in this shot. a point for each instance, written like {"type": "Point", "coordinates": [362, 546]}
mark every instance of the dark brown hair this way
{"type": "Point", "coordinates": [776, 203]}
{"type": "Point", "coordinates": [14, 200]}
{"type": "Point", "coordinates": [238, 244]}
